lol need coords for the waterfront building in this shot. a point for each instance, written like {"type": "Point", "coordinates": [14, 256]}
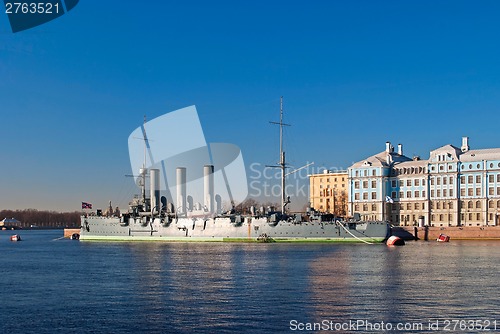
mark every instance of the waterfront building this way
{"type": "Point", "coordinates": [328, 192]}
{"type": "Point", "coordinates": [11, 222]}
{"type": "Point", "coordinates": [454, 187]}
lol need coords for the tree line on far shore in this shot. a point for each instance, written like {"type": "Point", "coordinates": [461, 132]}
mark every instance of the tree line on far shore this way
{"type": "Point", "coordinates": [45, 219]}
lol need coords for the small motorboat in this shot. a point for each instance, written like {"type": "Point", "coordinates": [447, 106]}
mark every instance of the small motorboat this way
{"type": "Point", "coordinates": [15, 237]}
{"type": "Point", "coordinates": [395, 241]}
{"type": "Point", "coordinates": [75, 236]}
{"type": "Point", "coordinates": [443, 238]}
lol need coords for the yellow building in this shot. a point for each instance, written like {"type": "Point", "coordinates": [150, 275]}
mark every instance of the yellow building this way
{"type": "Point", "coordinates": [328, 192]}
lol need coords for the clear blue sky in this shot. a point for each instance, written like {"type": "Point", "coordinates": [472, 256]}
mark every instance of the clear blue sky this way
{"type": "Point", "coordinates": [353, 74]}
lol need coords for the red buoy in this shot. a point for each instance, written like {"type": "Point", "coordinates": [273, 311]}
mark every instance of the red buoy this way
{"type": "Point", "coordinates": [395, 241]}
{"type": "Point", "coordinates": [443, 238]}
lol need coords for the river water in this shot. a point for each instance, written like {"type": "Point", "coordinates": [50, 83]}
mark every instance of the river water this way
{"type": "Point", "coordinates": [53, 285]}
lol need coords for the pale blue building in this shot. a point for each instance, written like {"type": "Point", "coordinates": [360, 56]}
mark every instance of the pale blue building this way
{"type": "Point", "coordinates": [454, 187]}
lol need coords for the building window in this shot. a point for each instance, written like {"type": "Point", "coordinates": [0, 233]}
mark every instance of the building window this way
{"type": "Point", "coordinates": [478, 178]}
{"type": "Point", "coordinates": [357, 173]}
{"type": "Point", "coordinates": [438, 205]}
{"type": "Point", "coordinates": [462, 192]}
{"type": "Point", "coordinates": [478, 191]}
{"type": "Point", "coordinates": [366, 174]}
{"type": "Point", "coordinates": [491, 191]}
{"type": "Point", "coordinates": [478, 216]}
{"type": "Point", "coordinates": [498, 190]}
{"type": "Point", "coordinates": [438, 193]}
{"type": "Point", "coordinates": [423, 193]}
{"type": "Point", "coordinates": [450, 205]}
{"type": "Point", "coordinates": [469, 205]}
{"type": "Point", "coordinates": [423, 206]}
{"type": "Point", "coordinates": [356, 185]}
{"type": "Point", "coordinates": [374, 195]}
{"type": "Point", "coordinates": [374, 184]}
{"type": "Point", "coordinates": [356, 207]}
{"type": "Point", "coordinates": [408, 183]}
{"type": "Point", "coordinates": [374, 207]}
{"type": "Point", "coordinates": [408, 206]}
{"type": "Point", "coordinates": [356, 196]}
{"type": "Point", "coordinates": [393, 195]}
{"type": "Point", "coordinates": [444, 180]}
{"type": "Point", "coordinates": [365, 195]}
{"type": "Point", "coordinates": [470, 191]}
{"type": "Point", "coordinates": [417, 193]}
{"type": "Point", "coordinates": [498, 177]}
{"type": "Point", "coordinates": [432, 192]}
{"type": "Point", "coordinates": [423, 182]}
{"type": "Point", "coordinates": [408, 194]}
{"type": "Point", "coordinates": [432, 181]}
{"type": "Point", "coordinates": [470, 179]}
{"type": "Point", "coordinates": [417, 206]}
{"type": "Point", "coordinates": [478, 204]}
{"type": "Point", "coordinates": [491, 204]}
{"type": "Point", "coordinates": [462, 179]}
{"type": "Point", "coordinates": [491, 178]}
{"type": "Point", "coordinates": [445, 193]}
{"type": "Point", "coordinates": [438, 181]}
{"type": "Point", "coordinates": [451, 179]}
{"type": "Point", "coordinates": [393, 183]}
{"type": "Point", "coordinates": [365, 184]}
{"type": "Point", "coordinates": [416, 182]}
{"type": "Point", "coordinates": [365, 207]}
{"type": "Point", "coordinates": [374, 172]}
{"type": "Point", "coordinates": [401, 194]}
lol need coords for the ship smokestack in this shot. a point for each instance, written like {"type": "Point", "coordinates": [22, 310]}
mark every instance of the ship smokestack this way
{"type": "Point", "coordinates": [181, 190]}
{"type": "Point", "coordinates": [208, 182]}
{"type": "Point", "coordinates": [154, 188]}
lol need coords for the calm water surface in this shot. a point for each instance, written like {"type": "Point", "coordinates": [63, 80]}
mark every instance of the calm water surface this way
{"type": "Point", "coordinates": [54, 286]}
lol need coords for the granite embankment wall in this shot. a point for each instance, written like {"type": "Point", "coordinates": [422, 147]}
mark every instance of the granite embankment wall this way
{"type": "Point", "coordinates": [457, 233]}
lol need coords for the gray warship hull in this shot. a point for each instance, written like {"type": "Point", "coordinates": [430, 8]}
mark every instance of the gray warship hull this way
{"type": "Point", "coordinates": [220, 229]}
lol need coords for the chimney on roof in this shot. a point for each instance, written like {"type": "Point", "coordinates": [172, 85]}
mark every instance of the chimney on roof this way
{"type": "Point", "coordinates": [400, 149]}
{"type": "Point", "coordinates": [388, 147]}
{"type": "Point", "coordinates": [465, 144]}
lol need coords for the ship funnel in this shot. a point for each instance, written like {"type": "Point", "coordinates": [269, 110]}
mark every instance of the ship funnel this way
{"type": "Point", "coordinates": [181, 190]}
{"type": "Point", "coordinates": [155, 190]}
{"type": "Point", "coordinates": [208, 181]}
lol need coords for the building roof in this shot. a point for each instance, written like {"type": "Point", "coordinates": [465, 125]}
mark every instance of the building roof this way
{"type": "Point", "coordinates": [380, 160]}
{"type": "Point", "coordinates": [482, 154]}
{"type": "Point", "coordinates": [10, 220]}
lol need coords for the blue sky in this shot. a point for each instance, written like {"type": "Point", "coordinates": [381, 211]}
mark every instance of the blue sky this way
{"type": "Point", "coordinates": [353, 74]}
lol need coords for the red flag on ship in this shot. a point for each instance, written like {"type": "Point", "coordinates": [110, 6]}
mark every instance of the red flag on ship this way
{"type": "Point", "coordinates": [86, 205]}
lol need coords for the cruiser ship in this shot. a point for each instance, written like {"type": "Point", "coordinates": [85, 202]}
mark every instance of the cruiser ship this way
{"type": "Point", "coordinates": [151, 217]}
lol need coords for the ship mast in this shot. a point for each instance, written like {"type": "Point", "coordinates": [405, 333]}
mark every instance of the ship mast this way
{"type": "Point", "coordinates": [143, 171]}
{"type": "Point", "coordinates": [282, 163]}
